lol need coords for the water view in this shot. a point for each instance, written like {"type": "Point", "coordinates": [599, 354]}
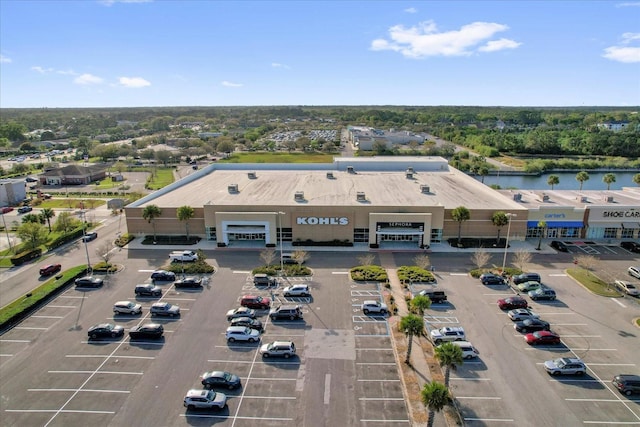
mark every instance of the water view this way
{"type": "Point", "coordinates": [567, 181]}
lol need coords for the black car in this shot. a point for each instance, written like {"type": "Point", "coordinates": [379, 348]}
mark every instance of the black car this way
{"type": "Point", "coordinates": [149, 330]}
{"type": "Point", "coordinates": [492, 280]}
{"type": "Point", "coordinates": [188, 282]}
{"type": "Point", "coordinates": [90, 236]}
{"type": "Point", "coordinates": [89, 282]}
{"type": "Point", "coordinates": [631, 246]}
{"type": "Point", "coordinates": [248, 322]}
{"type": "Point", "coordinates": [108, 330]}
{"type": "Point", "coordinates": [24, 209]}
{"type": "Point", "coordinates": [558, 245]}
{"type": "Point", "coordinates": [163, 276]}
{"type": "Point", "coordinates": [532, 325]}
{"type": "Point", "coordinates": [147, 289]}
{"type": "Point", "coordinates": [527, 277]}
{"type": "Point", "coordinates": [216, 379]}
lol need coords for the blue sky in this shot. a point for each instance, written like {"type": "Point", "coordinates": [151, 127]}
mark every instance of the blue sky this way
{"type": "Point", "coordinates": [127, 53]}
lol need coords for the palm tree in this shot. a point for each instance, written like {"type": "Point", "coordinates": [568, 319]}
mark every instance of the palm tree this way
{"type": "Point", "coordinates": [581, 177]}
{"type": "Point", "coordinates": [448, 355]}
{"type": "Point", "coordinates": [47, 214]}
{"type": "Point", "coordinates": [499, 219]}
{"type": "Point", "coordinates": [420, 303]}
{"type": "Point", "coordinates": [435, 396]}
{"type": "Point", "coordinates": [459, 215]}
{"type": "Point", "coordinates": [483, 171]}
{"type": "Point", "coordinates": [636, 178]}
{"type": "Point", "coordinates": [185, 213]}
{"type": "Point", "coordinates": [553, 180]}
{"type": "Point", "coordinates": [543, 226]}
{"type": "Point", "coordinates": [411, 325]}
{"type": "Point", "coordinates": [150, 213]}
{"type": "Point", "coordinates": [609, 179]}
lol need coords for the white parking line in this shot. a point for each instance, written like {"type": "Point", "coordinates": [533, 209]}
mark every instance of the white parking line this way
{"type": "Point", "coordinates": [27, 328]}
{"type": "Point", "coordinates": [226, 417]}
{"type": "Point", "coordinates": [61, 306]}
{"type": "Point", "coordinates": [569, 324]}
{"type": "Point", "coordinates": [479, 397]}
{"type": "Point", "coordinates": [63, 411]}
{"type": "Point", "coordinates": [73, 296]}
{"type": "Point", "coordinates": [327, 389]}
{"type": "Point", "coordinates": [381, 398]}
{"type": "Point", "coordinates": [574, 380]}
{"type": "Point", "coordinates": [83, 390]}
{"type": "Point", "coordinates": [14, 341]}
{"type": "Point", "coordinates": [558, 275]}
{"type": "Point", "coordinates": [228, 361]}
{"type": "Point", "coordinates": [95, 372]}
{"type": "Point", "coordinates": [272, 379]}
{"type": "Point", "coordinates": [611, 422]}
{"type": "Point", "coordinates": [240, 272]}
{"type": "Point", "coordinates": [106, 355]}
{"type": "Point", "coordinates": [539, 347]}
{"type": "Point", "coordinates": [339, 272]}
{"type": "Point", "coordinates": [271, 397]}
{"type": "Point", "coordinates": [618, 302]}
{"type": "Point", "coordinates": [458, 274]}
{"type": "Point", "coordinates": [594, 400]}
{"type": "Point", "coordinates": [6, 355]}
{"type": "Point", "coordinates": [46, 317]}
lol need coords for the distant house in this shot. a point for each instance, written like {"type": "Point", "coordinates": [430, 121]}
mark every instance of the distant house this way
{"type": "Point", "coordinates": [613, 126]}
{"type": "Point", "coordinates": [73, 175]}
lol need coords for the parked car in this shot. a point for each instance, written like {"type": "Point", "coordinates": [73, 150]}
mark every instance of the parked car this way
{"type": "Point", "coordinates": [126, 307]}
{"type": "Point", "coordinates": [436, 297]}
{"type": "Point", "coordinates": [149, 330]}
{"type": "Point", "coordinates": [492, 279]}
{"type": "Point", "coordinates": [542, 337]}
{"type": "Point", "coordinates": [468, 350]}
{"type": "Point", "coordinates": [90, 236]}
{"type": "Point", "coordinates": [240, 312]}
{"type": "Point", "coordinates": [284, 349]}
{"type": "Point", "coordinates": [30, 178]}
{"type": "Point", "coordinates": [147, 289]}
{"type": "Point", "coordinates": [188, 282]}
{"type": "Point", "coordinates": [205, 399]}
{"type": "Point", "coordinates": [531, 325]}
{"type": "Point", "coordinates": [526, 277]}
{"type": "Point", "coordinates": [627, 287]}
{"type": "Point", "coordinates": [242, 333]}
{"type": "Point", "coordinates": [296, 291]}
{"type": "Point", "coordinates": [565, 366]}
{"type": "Point", "coordinates": [627, 384]}
{"type": "Point", "coordinates": [373, 306]}
{"type": "Point", "coordinates": [217, 379]}
{"type": "Point", "coordinates": [522, 313]}
{"type": "Point", "coordinates": [528, 286]}
{"type": "Point", "coordinates": [50, 269]}
{"type": "Point", "coordinates": [105, 330]}
{"type": "Point", "coordinates": [631, 246]}
{"type": "Point", "coordinates": [248, 322]}
{"type": "Point", "coordinates": [89, 282]}
{"type": "Point", "coordinates": [291, 312]}
{"type": "Point", "coordinates": [512, 302]}
{"type": "Point", "coordinates": [6, 209]}
{"type": "Point", "coordinates": [448, 333]}
{"type": "Point", "coordinates": [24, 209]}
{"type": "Point", "coordinates": [558, 245]}
{"type": "Point", "coordinates": [164, 309]}
{"type": "Point", "coordinates": [163, 276]}
{"type": "Point", "coordinates": [264, 280]}
{"type": "Point", "coordinates": [542, 293]}
{"type": "Point", "coordinates": [634, 271]}
{"type": "Point", "coordinates": [255, 302]}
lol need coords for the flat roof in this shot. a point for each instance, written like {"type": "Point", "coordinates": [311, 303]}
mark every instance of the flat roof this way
{"type": "Point", "coordinates": [534, 199]}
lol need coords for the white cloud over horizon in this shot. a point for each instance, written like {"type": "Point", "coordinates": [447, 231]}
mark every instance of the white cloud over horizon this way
{"type": "Point", "coordinates": [5, 59]}
{"type": "Point", "coordinates": [623, 52]}
{"type": "Point", "coordinates": [231, 84]}
{"type": "Point", "coordinates": [88, 79]}
{"type": "Point", "coordinates": [279, 65]}
{"type": "Point", "coordinates": [424, 40]}
{"type": "Point", "coordinates": [411, 10]}
{"type": "Point", "coordinates": [133, 82]}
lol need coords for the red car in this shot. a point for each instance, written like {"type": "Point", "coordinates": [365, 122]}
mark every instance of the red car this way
{"type": "Point", "coordinates": [542, 337]}
{"type": "Point", "coordinates": [511, 303]}
{"type": "Point", "coordinates": [6, 209]}
{"type": "Point", "coordinates": [255, 302]}
{"type": "Point", "coordinates": [50, 269]}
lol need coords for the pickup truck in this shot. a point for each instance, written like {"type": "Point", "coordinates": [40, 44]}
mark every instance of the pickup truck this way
{"type": "Point", "coordinates": [185, 256]}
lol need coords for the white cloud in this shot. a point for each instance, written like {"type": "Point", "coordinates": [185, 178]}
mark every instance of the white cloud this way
{"type": "Point", "coordinates": [424, 40]}
{"type": "Point", "coordinates": [496, 45]}
{"type": "Point", "coordinates": [88, 79]}
{"type": "Point", "coordinates": [67, 72]}
{"type": "Point", "coordinates": [278, 65]}
{"type": "Point", "coordinates": [134, 82]}
{"type": "Point", "coordinates": [112, 2]}
{"type": "Point", "coordinates": [5, 59]}
{"type": "Point", "coordinates": [411, 10]}
{"type": "Point", "coordinates": [42, 70]}
{"type": "Point", "coordinates": [230, 84]}
{"type": "Point", "coordinates": [624, 52]}
{"type": "Point", "coordinates": [629, 4]}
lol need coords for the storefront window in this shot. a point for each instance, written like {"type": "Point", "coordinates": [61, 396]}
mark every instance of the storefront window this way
{"type": "Point", "coordinates": [436, 235]}
{"type": "Point", "coordinates": [211, 233]}
{"type": "Point", "coordinates": [361, 235]}
{"type": "Point", "coordinates": [627, 233]}
{"type": "Point", "coordinates": [287, 235]}
{"type": "Point", "coordinates": [610, 233]}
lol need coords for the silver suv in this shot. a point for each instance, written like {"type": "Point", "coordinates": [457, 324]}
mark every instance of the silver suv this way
{"type": "Point", "coordinates": [284, 349]}
{"type": "Point", "coordinates": [290, 312]}
{"type": "Point", "coordinates": [242, 333]}
{"type": "Point", "coordinates": [127, 307]}
{"type": "Point", "coordinates": [164, 309]}
{"type": "Point", "coordinates": [296, 291]}
{"type": "Point", "coordinates": [374, 307]}
{"type": "Point", "coordinates": [448, 333]}
{"type": "Point", "coordinates": [565, 366]}
{"type": "Point", "coordinates": [205, 399]}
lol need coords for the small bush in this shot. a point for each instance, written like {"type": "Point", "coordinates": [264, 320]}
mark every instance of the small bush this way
{"type": "Point", "coordinates": [369, 273]}
{"type": "Point", "coordinates": [414, 274]}
{"type": "Point", "coordinates": [25, 256]}
{"type": "Point", "coordinates": [124, 239]}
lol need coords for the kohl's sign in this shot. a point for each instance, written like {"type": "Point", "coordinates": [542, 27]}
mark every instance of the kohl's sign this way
{"type": "Point", "coordinates": [319, 220]}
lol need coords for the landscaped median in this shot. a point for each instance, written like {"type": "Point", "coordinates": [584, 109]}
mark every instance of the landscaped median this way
{"type": "Point", "coordinates": [592, 282]}
{"type": "Point", "coordinates": [21, 307]}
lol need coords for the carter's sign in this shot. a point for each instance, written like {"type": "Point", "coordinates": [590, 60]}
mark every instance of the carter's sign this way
{"type": "Point", "coordinates": [315, 220]}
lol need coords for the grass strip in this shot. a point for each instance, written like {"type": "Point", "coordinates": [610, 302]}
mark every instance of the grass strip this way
{"type": "Point", "coordinates": [593, 282]}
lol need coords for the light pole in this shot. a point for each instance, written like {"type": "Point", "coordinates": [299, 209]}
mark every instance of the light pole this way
{"type": "Point", "coordinates": [84, 238]}
{"type": "Point", "coordinates": [281, 257]}
{"type": "Point", "coordinates": [506, 246]}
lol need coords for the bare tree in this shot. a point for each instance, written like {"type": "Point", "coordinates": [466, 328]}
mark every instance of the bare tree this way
{"type": "Point", "coordinates": [366, 259]}
{"type": "Point", "coordinates": [105, 251]}
{"type": "Point", "coordinates": [267, 256]}
{"type": "Point", "coordinates": [422, 261]}
{"type": "Point", "coordinates": [300, 256]}
{"type": "Point", "coordinates": [480, 258]}
{"type": "Point", "coordinates": [521, 259]}
{"type": "Point", "coordinates": [588, 262]}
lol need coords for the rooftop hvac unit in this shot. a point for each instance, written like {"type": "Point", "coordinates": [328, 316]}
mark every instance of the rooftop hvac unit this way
{"type": "Point", "coordinates": [583, 199]}
{"type": "Point", "coordinates": [350, 169]}
{"type": "Point", "coordinates": [425, 189]}
{"type": "Point", "coordinates": [410, 169]}
{"type": "Point", "coordinates": [409, 174]}
{"type": "Point", "coordinates": [360, 196]}
{"type": "Point", "coordinates": [251, 175]}
{"type": "Point", "coordinates": [545, 198]}
{"type": "Point", "coordinates": [609, 199]}
{"type": "Point", "coordinates": [233, 188]}
{"type": "Point", "coordinates": [517, 197]}
{"type": "Point", "coordinates": [299, 196]}
{"type": "Point", "coordinates": [329, 175]}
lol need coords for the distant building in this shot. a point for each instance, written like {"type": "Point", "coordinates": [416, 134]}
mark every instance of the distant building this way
{"type": "Point", "coordinates": [12, 191]}
{"type": "Point", "coordinates": [73, 175]}
{"type": "Point", "coordinates": [365, 138]}
{"type": "Point", "coordinates": [613, 126]}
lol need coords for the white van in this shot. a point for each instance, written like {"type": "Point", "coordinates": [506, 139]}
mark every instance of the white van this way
{"type": "Point", "coordinates": [468, 350]}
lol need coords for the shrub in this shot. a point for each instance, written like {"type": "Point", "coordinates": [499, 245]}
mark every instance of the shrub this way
{"type": "Point", "coordinates": [369, 273]}
{"type": "Point", "coordinates": [65, 238]}
{"type": "Point", "coordinates": [124, 239]}
{"type": "Point", "coordinates": [25, 256]}
{"type": "Point", "coordinates": [414, 274]}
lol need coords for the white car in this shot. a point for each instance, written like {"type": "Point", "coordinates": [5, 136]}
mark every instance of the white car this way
{"type": "Point", "coordinates": [164, 309]}
{"type": "Point", "coordinates": [240, 312]}
{"type": "Point", "coordinates": [205, 399]}
{"type": "Point", "coordinates": [634, 271]}
{"type": "Point", "coordinates": [374, 307]}
{"type": "Point", "coordinates": [296, 291]}
{"type": "Point", "coordinates": [448, 333]}
{"type": "Point", "coordinates": [127, 307]}
{"type": "Point", "coordinates": [521, 314]}
{"type": "Point", "coordinates": [242, 333]}
{"type": "Point", "coordinates": [627, 287]}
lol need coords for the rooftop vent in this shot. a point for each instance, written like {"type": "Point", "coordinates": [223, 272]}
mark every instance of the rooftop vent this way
{"type": "Point", "coordinates": [608, 199]}
{"type": "Point", "coordinates": [299, 196]}
{"type": "Point", "coordinates": [545, 197]}
{"type": "Point", "coordinates": [583, 199]}
{"type": "Point", "coordinates": [409, 173]}
{"type": "Point", "coordinates": [233, 188]}
{"type": "Point", "coordinates": [425, 189]}
{"type": "Point", "coordinates": [251, 175]}
{"type": "Point", "coordinates": [350, 169]}
{"type": "Point", "coordinates": [330, 175]}
{"type": "Point", "coordinates": [360, 196]}
{"type": "Point", "coordinates": [517, 197]}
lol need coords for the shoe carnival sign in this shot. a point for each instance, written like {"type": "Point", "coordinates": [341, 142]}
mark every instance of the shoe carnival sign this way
{"type": "Point", "coordinates": [319, 220]}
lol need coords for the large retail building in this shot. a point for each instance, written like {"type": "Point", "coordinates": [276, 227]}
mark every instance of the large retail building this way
{"type": "Point", "coordinates": [374, 201]}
